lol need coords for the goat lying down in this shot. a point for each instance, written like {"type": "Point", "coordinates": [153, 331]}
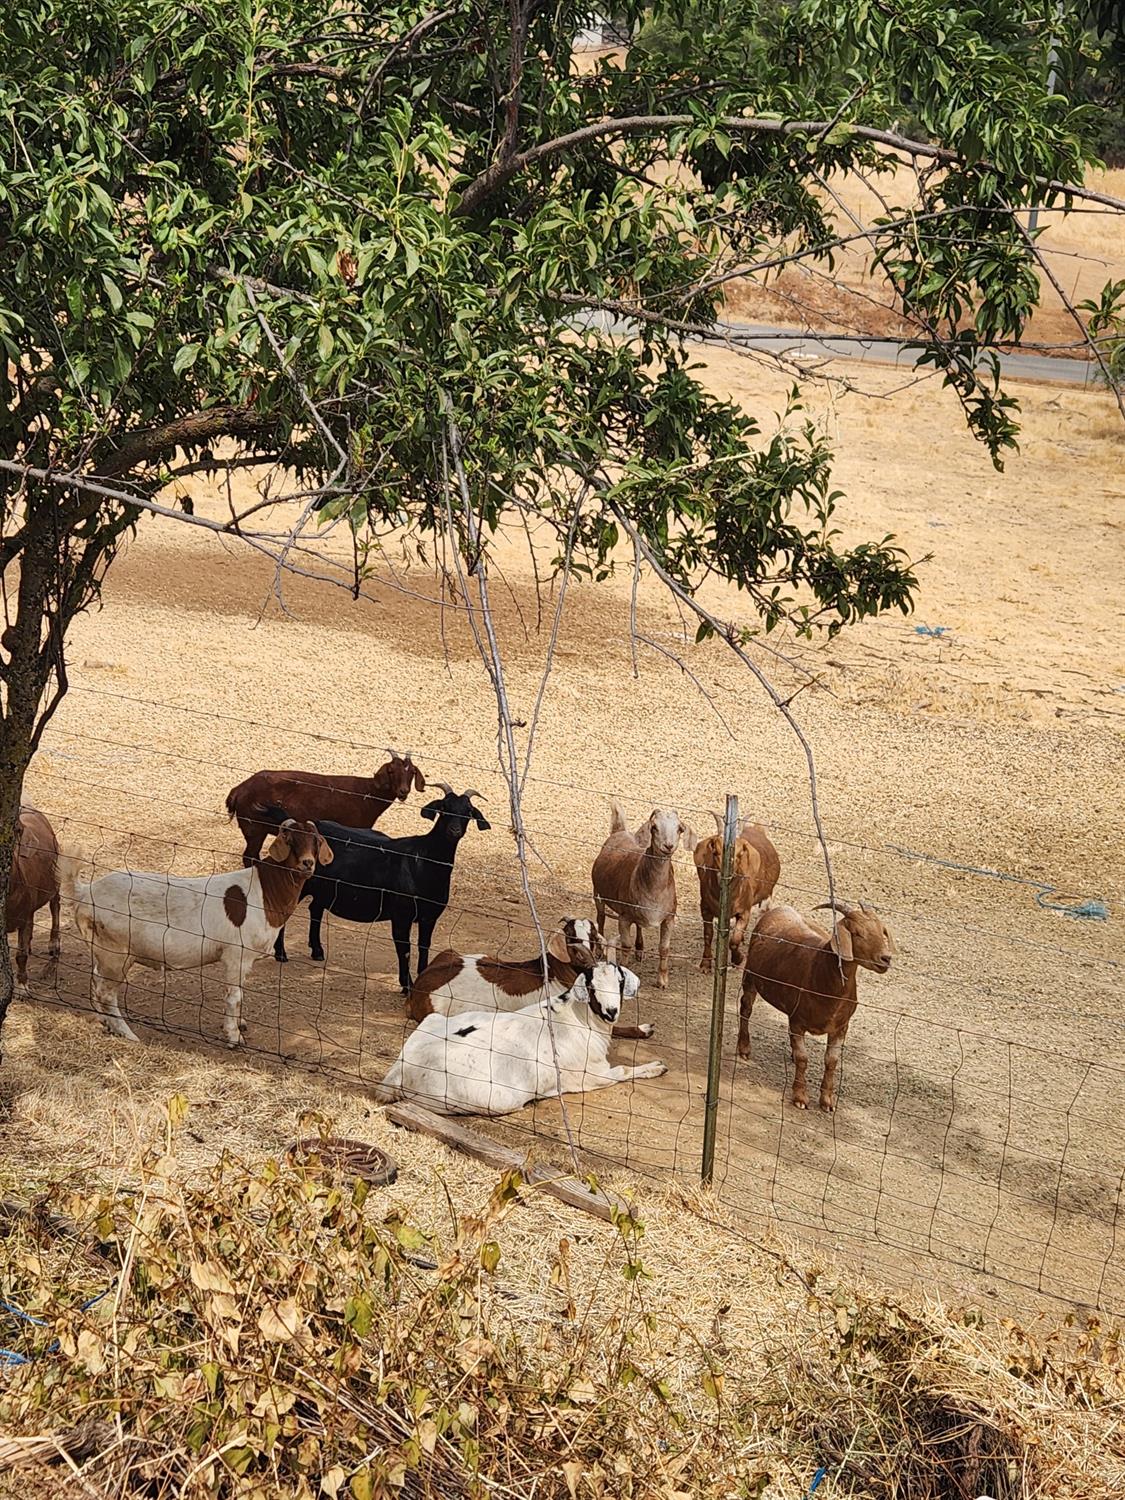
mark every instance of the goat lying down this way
{"type": "Point", "coordinates": [492, 1062]}
{"type": "Point", "coordinates": [455, 982]}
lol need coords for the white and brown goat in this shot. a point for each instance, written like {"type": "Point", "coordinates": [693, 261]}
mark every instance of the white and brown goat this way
{"type": "Point", "coordinates": [809, 974]}
{"type": "Point", "coordinates": [489, 1062]}
{"type": "Point", "coordinates": [633, 878]}
{"type": "Point", "coordinates": [456, 982]}
{"type": "Point", "coordinates": [132, 917]}
{"type": "Point", "coordinates": [754, 873]}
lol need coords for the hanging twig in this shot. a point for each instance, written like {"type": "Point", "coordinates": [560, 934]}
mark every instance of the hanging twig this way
{"type": "Point", "coordinates": [506, 740]}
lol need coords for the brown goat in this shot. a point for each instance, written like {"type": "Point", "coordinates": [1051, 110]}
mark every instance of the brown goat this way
{"type": "Point", "coordinates": [809, 973]}
{"type": "Point", "coordinates": [755, 872]}
{"type": "Point", "coordinates": [34, 882]}
{"type": "Point", "coordinates": [633, 878]}
{"type": "Point", "coordinates": [263, 801]}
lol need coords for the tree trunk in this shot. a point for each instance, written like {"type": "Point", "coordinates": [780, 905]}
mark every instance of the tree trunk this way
{"type": "Point", "coordinates": [25, 677]}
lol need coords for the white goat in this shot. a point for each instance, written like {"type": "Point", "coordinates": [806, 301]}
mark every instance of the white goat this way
{"type": "Point", "coordinates": [492, 1062]}
{"type": "Point", "coordinates": [132, 917]}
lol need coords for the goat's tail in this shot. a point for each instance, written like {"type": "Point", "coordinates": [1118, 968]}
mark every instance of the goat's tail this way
{"type": "Point", "coordinates": [233, 808]}
{"type": "Point", "coordinates": [616, 818]}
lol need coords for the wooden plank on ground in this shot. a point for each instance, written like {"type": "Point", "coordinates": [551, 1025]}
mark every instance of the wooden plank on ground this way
{"type": "Point", "coordinates": [569, 1190]}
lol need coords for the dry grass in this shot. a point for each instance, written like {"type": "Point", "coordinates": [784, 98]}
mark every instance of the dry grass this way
{"type": "Point", "coordinates": [269, 1330]}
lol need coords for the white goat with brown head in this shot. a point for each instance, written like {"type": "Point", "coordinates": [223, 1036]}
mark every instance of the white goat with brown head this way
{"type": "Point", "coordinates": [809, 973]}
{"type": "Point", "coordinates": [633, 878]}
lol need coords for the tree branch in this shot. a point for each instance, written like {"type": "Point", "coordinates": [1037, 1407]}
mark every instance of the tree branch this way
{"type": "Point", "coordinates": [500, 173]}
{"type": "Point", "coordinates": [144, 444]}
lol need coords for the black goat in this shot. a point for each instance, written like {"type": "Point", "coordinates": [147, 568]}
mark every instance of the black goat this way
{"type": "Point", "coordinates": [375, 878]}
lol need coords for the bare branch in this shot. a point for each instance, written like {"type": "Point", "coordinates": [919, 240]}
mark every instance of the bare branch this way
{"type": "Point", "coordinates": [500, 173]}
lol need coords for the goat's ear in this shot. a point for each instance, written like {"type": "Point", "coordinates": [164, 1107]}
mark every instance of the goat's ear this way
{"type": "Point", "coordinates": [480, 820]}
{"type": "Point", "coordinates": [419, 779]}
{"type": "Point", "coordinates": [892, 946]}
{"type": "Point", "coordinates": [687, 835]}
{"type": "Point", "coordinates": [842, 941]}
{"type": "Point", "coordinates": [557, 948]}
{"type": "Point", "coordinates": [280, 849]}
{"type": "Point", "coordinates": [430, 810]}
{"type": "Point", "coordinates": [324, 855]}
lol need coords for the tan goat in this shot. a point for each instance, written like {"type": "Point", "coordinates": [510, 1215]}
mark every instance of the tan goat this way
{"type": "Point", "coordinates": [755, 873]}
{"type": "Point", "coordinates": [33, 883]}
{"type": "Point", "coordinates": [809, 974]}
{"type": "Point", "coordinates": [633, 878]}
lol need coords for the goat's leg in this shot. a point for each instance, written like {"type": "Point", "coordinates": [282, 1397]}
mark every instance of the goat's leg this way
{"type": "Point", "coordinates": [400, 934]}
{"type": "Point", "coordinates": [23, 948]}
{"type": "Point", "coordinates": [236, 971]}
{"type": "Point", "coordinates": [665, 947]}
{"type": "Point", "coordinates": [279, 947]}
{"type": "Point", "coordinates": [800, 1049]}
{"type": "Point", "coordinates": [832, 1055]}
{"type": "Point", "coordinates": [254, 835]}
{"type": "Point", "coordinates": [316, 947]}
{"type": "Point", "coordinates": [746, 1006]}
{"type": "Point", "coordinates": [708, 935]}
{"type": "Point", "coordinates": [54, 946]}
{"type": "Point", "coordinates": [603, 1076]}
{"type": "Point", "coordinates": [624, 940]}
{"type": "Point", "coordinates": [427, 921]}
{"type": "Point", "coordinates": [105, 998]}
{"type": "Point", "coordinates": [639, 940]}
{"type": "Point", "coordinates": [639, 1033]}
{"type": "Point", "coordinates": [599, 909]}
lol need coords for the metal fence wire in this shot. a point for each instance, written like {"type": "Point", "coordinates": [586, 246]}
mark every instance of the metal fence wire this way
{"type": "Point", "coordinates": [978, 1128]}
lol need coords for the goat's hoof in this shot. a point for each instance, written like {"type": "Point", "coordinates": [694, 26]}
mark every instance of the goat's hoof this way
{"type": "Point", "coordinates": [662, 984]}
{"type": "Point", "coordinates": [317, 955]}
{"type": "Point", "coordinates": [705, 966]}
{"type": "Point", "coordinates": [828, 1108]}
{"type": "Point", "coordinates": [231, 1046]}
{"type": "Point", "coordinates": [645, 1030]}
{"type": "Point", "coordinates": [281, 958]}
{"type": "Point", "coordinates": [744, 1053]}
{"type": "Point", "coordinates": [800, 1104]}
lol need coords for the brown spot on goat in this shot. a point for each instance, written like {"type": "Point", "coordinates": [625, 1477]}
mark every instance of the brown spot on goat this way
{"type": "Point", "coordinates": [234, 904]}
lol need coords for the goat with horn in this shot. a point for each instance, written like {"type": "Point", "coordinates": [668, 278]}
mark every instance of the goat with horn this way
{"type": "Point", "coordinates": [809, 974]}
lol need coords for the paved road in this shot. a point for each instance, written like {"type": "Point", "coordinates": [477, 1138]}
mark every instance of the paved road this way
{"type": "Point", "coordinates": [879, 351]}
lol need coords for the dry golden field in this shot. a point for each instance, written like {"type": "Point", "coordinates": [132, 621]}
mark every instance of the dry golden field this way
{"type": "Point", "coordinates": [979, 1141]}
{"type": "Point", "coordinates": [1083, 250]}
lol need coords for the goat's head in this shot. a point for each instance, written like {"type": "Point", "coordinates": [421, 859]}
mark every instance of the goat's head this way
{"type": "Point", "coordinates": [299, 846]}
{"type": "Point", "coordinates": [456, 811]}
{"type": "Point", "coordinates": [665, 830]}
{"type": "Point", "coordinates": [578, 942]}
{"type": "Point", "coordinates": [401, 774]}
{"type": "Point", "coordinates": [604, 988]}
{"type": "Point", "coordinates": [861, 936]}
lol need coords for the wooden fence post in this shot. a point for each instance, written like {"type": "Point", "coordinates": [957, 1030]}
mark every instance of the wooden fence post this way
{"type": "Point", "coordinates": [719, 990]}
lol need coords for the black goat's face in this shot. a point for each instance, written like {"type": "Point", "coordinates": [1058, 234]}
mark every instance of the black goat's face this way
{"type": "Point", "coordinates": [457, 811]}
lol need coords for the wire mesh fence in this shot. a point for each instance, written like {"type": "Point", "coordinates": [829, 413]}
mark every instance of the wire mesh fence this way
{"type": "Point", "coordinates": [978, 1131]}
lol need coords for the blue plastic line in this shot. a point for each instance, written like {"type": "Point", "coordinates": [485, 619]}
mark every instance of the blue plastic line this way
{"type": "Point", "coordinates": [1090, 908]}
{"type": "Point", "coordinates": [817, 1477]}
{"type": "Point", "coordinates": [11, 1356]}
{"type": "Point", "coordinates": [934, 630]}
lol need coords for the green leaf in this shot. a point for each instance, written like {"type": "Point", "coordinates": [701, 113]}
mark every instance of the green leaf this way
{"type": "Point", "coordinates": [186, 356]}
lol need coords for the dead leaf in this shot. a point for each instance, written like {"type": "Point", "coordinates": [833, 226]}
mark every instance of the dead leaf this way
{"type": "Point", "coordinates": [331, 1481]}
{"type": "Point", "coordinates": [582, 1390]}
{"type": "Point", "coordinates": [209, 1276]}
{"type": "Point", "coordinates": [472, 1352]}
{"type": "Point", "coordinates": [281, 1322]}
{"type": "Point", "coordinates": [572, 1473]}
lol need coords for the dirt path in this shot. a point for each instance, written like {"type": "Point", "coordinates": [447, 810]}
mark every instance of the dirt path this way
{"type": "Point", "coordinates": [982, 1103]}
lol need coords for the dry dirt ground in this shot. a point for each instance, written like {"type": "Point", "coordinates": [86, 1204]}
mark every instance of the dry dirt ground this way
{"type": "Point", "coordinates": [1083, 250]}
{"type": "Point", "coordinates": [979, 1139]}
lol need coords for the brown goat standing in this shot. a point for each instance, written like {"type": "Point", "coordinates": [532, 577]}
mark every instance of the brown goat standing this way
{"type": "Point", "coordinates": [633, 877]}
{"type": "Point", "coordinates": [755, 873]}
{"type": "Point", "coordinates": [34, 882]}
{"type": "Point", "coordinates": [263, 801]}
{"type": "Point", "coordinates": [809, 973]}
